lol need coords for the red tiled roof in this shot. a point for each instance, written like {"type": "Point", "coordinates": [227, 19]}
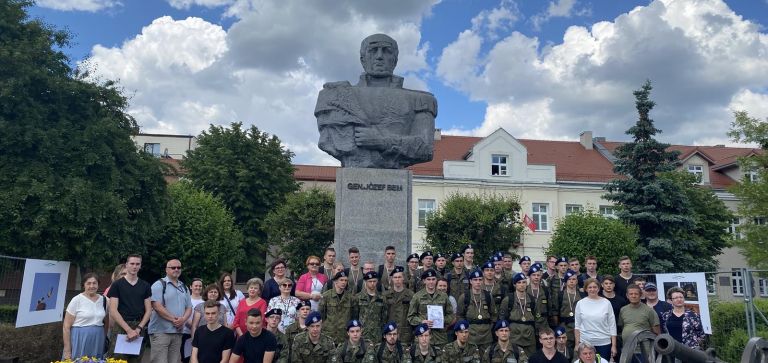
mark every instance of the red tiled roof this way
{"type": "Point", "coordinates": [571, 160]}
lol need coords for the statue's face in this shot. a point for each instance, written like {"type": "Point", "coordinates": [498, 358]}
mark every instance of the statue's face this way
{"type": "Point", "coordinates": [379, 59]}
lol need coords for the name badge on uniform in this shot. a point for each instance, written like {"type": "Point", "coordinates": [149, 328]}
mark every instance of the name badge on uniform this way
{"type": "Point", "coordinates": [511, 360]}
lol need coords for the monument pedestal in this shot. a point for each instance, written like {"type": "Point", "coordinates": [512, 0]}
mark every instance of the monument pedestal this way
{"type": "Point", "coordinates": [373, 210]}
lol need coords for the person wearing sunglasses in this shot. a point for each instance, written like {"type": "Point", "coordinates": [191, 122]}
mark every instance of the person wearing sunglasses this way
{"type": "Point", "coordinates": [309, 286]}
{"type": "Point", "coordinates": [171, 307]}
{"type": "Point", "coordinates": [286, 303]}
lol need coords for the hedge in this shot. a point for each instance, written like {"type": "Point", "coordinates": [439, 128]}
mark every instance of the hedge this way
{"type": "Point", "coordinates": [729, 328]}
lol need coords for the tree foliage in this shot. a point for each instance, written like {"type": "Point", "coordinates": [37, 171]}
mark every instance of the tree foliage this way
{"type": "Point", "coordinates": [588, 233]}
{"type": "Point", "coordinates": [200, 231]}
{"type": "Point", "coordinates": [251, 172]}
{"type": "Point", "coordinates": [753, 195]}
{"type": "Point", "coordinates": [72, 184]}
{"type": "Point", "coordinates": [657, 206]}
{"type": "Point", "coordinates": [302, 226]}
{"type": "Point", "coordinates": [490, 223]}
{"type": "Point", "coordinates": [711, 219]}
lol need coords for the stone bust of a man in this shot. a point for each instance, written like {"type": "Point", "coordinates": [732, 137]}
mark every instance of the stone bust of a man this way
{"type": "Point", "coordinates": [376, 123]}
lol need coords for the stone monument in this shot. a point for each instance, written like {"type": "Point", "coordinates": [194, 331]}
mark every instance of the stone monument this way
{"type": "Point", "coordinates": [375, 128]}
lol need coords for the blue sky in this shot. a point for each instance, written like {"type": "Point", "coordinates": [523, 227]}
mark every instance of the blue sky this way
{"type": "Point", "coordinates": [539, 69]}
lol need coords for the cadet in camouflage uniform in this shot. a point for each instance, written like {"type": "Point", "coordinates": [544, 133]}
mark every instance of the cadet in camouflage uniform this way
{"type": "Point", "coordinates": [312, 346]}
{"type": "Point", "coordinates": [499, 273]}
{"type": "Point", "coordinates": [519, 309]}
{"type": "Point", "coordinates": [525, 265]}
{"type": "Point", "coordinates": [423, 351]}
{"type": "Point", "coordinates": [441, 259]}
{"type": "Point", "coordinates": [417, 311]}
{"type": "Point", "coordinates": [476, 306]}
{"type": "Point", "coordinates": [389, 350]}
{"type": "Point", "coordinates": [555, 286]}
{"type": "Point", "coordinates": [371, 309]}
{"type": "Point", "coordinates": [490, 284]}
{"type": "Point", "coordinates": [412, 273]}
{"type": "Point", "coordinates": [503, 350]}
{"type": "Point", "coordinates": [566, 302]}
{"type": "Point", "coordinates": [337, 308]}
{"type": "Point", "coordinates": [303, 308]}
{"type": "Point", "coordinates": [353, 350]}
{"type": "Point", "coordinates": [540, 295]}
{"type": "Point", "coordinates": [461, 350]}
{"type": "Point", "coordinates": [427, 261]}
{"type": "Point", "coordinates": [398, 300]}
{"type": "Point", "coordinates": [457, 277]}
{"type": "Point", "coordinates": [468, 253]}
{"type": "Point", "coordinates": [273, 320]}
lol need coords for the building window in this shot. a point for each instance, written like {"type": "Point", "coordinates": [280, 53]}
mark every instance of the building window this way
{"type": "Point", "coordinates": [737, 284]}
{"type": "Point", "coordinates": [426, 208]}
{"type": "Point", "coordinates": [573, 208]}
{"type": "Point", "coordinates": [607, 211]}
{"type": "Point", "coordinates": [750, 176]}
{"type": "Point", "coordinates": [499, 165]}
{"type": "Point", "coordinates": [152, 148]}
{"type": "Point", "coordinates": [541, 216]}
{"type": "Point", "coordinates": [734, 228]}
{"type": "Point", "coordinates": [763, 287]}
{"type": "Point", "coordinates": [711, 285]}
{"type": "Point", "coordinates": [697, 170]}
{"type": "Point", "coordinates": [760, 221]}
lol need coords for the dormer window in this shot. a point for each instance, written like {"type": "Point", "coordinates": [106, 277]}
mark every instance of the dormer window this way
{"type": "Point", "coordinates": [499, 165]}
{"type": "Point", "coordinates": [697, 170]}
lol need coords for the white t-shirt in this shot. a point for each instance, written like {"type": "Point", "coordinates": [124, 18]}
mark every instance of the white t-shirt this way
{"type": "Point", "coordinates": [595, 321]}
{"type": "Point", "coordinates": [87, 312]}
{"type": "Point", "coordinates": [231, 312]}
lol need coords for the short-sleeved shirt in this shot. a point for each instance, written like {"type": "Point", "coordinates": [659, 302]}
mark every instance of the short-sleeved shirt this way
{"type": "Point", "coordinates": [636, 318]}
{"type": "Point", "coordinates": [130, 298]}
{"type": "Point", "coordinates": [86, 311]}
{"type": "Point", "coordinates": [210, 344]}
{"type": "Point", "coordinates": [176, 300]}
{"type": "Point", "coordinates": [252, 348]}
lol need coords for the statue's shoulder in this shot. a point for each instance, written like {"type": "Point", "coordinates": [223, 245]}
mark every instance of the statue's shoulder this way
{"type": "Point", "coordinates": [338, 84]}
{"type": "Point", "coordinates": [423, 101]}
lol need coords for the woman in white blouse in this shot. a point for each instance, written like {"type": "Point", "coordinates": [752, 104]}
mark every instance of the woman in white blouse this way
{"type": "Point", "coordinates": [595, 322]}
{"type": "Point", "coordinates": [85, 322]}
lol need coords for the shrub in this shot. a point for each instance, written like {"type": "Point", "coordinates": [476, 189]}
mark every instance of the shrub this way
{"type": "Point", "coordinates": [729, 334]}
{"type": "Point", "coordinates": [32, 344]}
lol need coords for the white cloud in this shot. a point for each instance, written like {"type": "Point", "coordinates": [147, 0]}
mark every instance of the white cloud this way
{"type": "Point", "coordinates": [756, 104]}
{"type": "Point", "coordinates": [266, 70]}
{"type": "Point", "coordinates": [78, 5]}
{"type": "Point", "coordinates": [558, 9]}
{"type": "Point", "coordinates": [700, 55]}
{"type": "Point", "coordinates": [186, 4]}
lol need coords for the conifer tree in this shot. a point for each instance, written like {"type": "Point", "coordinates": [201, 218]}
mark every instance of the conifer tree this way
{"type": "Point", "coordinates": [657, 206]}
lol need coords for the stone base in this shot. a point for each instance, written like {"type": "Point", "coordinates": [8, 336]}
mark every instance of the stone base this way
{"type": "Point", "coordinates": [373, 210]}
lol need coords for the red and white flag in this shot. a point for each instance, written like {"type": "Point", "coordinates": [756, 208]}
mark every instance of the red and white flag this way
{"type": "Point", "coordinates": [530, 223]}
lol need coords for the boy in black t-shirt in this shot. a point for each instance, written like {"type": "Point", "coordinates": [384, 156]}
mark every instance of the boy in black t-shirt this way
{"type": "Point", "coordinates": [547, 353]}
{"type": "Point", "coordinates": [258, 345]}
{"type": "Point", "coordinates": [213, 342]}
{"type": "Point", "coordinates": [129, 307]}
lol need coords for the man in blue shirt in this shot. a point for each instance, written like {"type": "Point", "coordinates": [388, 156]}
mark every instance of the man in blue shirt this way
{"type": "Point", "coordinates": [172, 306]}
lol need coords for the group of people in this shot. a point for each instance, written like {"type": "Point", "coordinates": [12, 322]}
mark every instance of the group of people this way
{"type": "Point", "coordinates": [437, 308]}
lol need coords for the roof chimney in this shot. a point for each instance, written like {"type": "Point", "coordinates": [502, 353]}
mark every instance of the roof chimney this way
{"type": "Point", "coordinates": [585, 138]}
{"type": "Point", "coordinates": [438, 134]}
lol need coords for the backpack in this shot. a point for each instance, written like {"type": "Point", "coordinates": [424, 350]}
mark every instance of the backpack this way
{"type": "Point", "coordinates": [486, 295]}
{"type": "Point", "coordinates": [531, 303]}
{"type": "Point", "coordinates": [165, 285]}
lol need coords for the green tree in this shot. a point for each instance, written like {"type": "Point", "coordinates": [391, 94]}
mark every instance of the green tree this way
{"type": "Point", "coordinates": [657, 206]}
{"type": "Point", "coordinates": [302, 226]}
{"type": "Point", "coordinates": [753, 195]}
{"type": "Point", "coordinates": [588, 233]}
{"type": "Point", "coordinates": [251, 172]}
{"type": "Point", "coordinates": [200, 231]}
{"type": "Point", "coordinates": [711, 219]}
{"type": "Point", "coordinates": [490, 223]}
{"type": "Point", "coordinates": [72, 184]}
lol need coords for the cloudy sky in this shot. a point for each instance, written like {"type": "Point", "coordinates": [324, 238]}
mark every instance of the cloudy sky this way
{"type": "Point", "coordinates": [540, 69]}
